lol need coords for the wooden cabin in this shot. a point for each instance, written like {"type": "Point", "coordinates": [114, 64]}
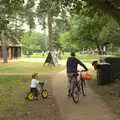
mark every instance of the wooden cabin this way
{"type": "Point", "coordinates": [13, 50]}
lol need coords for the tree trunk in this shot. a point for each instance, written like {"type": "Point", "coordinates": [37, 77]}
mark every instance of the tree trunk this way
{"type": "Point", "coordinates": [4, 48]}
{"type": "Point", "coordinates": [49, 30]}
{"type": "Point", "coordinates": [49, 58]}
{"type": "Point", "coordinates": [4, 54]}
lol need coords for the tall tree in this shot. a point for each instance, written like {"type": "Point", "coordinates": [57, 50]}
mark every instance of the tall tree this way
{"type": "Point", "coordinates": [13, 14]}
{"type": "Point", "coordinates": [9, 11]}
{"type": "Point", "coordinates": [49, 9]}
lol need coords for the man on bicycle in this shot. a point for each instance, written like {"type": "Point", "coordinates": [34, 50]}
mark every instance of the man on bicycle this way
{"type": "Point", "coordinates": [72, 64]}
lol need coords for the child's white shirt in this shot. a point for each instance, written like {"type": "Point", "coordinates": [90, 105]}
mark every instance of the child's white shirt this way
{"type": "Point", "coordinates": [34, 83]}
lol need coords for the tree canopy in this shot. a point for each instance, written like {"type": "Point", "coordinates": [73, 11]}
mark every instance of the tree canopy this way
{"type": "Point", "coordinates": [75, 22]}
{"type": "Point", "coordinates": [33, 42]}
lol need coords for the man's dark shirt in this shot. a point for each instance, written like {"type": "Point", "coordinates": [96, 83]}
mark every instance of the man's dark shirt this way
{"type": "Point", "coordinates": [72, 63]}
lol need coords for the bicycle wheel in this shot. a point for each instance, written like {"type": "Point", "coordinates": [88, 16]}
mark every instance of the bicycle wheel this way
{"type": "Point", "coordinates": [83, 87]}
{"type": "Point", "coordinates": [29, 96]}
{"type": "Point", "coordinates": [44, 93]}
{"type": "Point", "coordinates": [75, 93]}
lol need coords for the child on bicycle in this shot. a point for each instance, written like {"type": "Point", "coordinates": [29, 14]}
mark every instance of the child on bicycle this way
{"type": "Point", "coordinates": [33, 86]}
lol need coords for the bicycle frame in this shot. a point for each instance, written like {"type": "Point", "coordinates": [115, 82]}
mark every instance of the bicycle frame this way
{"type": "Point", "coordinates": [78, 80]}
{"type": "Point", "coordinates": [77, 84]}
{"type": "Point", "coordinates": [40, 87]}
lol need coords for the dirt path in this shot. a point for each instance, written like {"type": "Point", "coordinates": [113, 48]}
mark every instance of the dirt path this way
{"type": "Point", "coordinates": [90, 107]}
{"type": "Point", "coordinates": [44, 109]}
{"type": "Point", "coordinates": [36, 110]}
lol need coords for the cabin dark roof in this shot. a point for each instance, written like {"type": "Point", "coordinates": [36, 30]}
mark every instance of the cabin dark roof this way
{"type": "Point", "coordinates": [13, 43]}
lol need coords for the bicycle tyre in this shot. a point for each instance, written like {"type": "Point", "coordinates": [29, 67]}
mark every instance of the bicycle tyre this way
{"type": "Point", "coordinates": [44, 93]}
{"type": "Point", "coordinates": [75, 93]}
{"type": "Point", "coordinates": [83, 88]}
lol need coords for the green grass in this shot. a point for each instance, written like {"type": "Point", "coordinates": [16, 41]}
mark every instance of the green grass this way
{"type": "Point", "coordinates": [24, 67]}
{"type": "Point", "coordinates": [38, 55]}
{"type": "Point", "coordinates": [12, 96]}
{"type": "Point", "coordinates": [30, 67]}
{"type": "Point", "coordinates": [86, 58]}
{"type": "Point", "coordinates": [83, 57]}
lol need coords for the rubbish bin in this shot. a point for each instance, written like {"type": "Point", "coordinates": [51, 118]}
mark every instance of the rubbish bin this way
{"type": "Point", "coordinates": [103, 73]}
{"type": "Point", "coordinates": [115, 65]}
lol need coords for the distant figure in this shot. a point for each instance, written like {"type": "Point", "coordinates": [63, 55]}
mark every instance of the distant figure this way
{"type": "Point", "coordinates": [55, 58]}
{"type": "Point", "coordinates": [43, 53]}
{"type": "Point", "coordinates": [49, 60]}
{"type": "Point", "coordinates": [59, 54]}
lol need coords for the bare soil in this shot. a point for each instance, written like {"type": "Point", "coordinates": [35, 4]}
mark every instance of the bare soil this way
{"type": "Point", "coordinates": [109, 93]}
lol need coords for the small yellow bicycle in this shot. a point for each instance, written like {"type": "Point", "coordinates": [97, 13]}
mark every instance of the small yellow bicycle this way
{"type": "Point", "coordinates": [41, 90]}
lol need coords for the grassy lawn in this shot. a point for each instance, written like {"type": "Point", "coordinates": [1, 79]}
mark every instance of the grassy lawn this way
{"type": "Point", "coordinates": [12, 102]}
{"type": "Point", "coordinates": [24, 67]}
{"type": "Point", "coordinates": [81, 56]}
{"type": "Point", "coordinates": [12, 95]}
{"type": "Point", "coordinates": [88, 58]}
{"type": "Point", "coordinates": [38, 55]}
{"type": "Point", "coordinates": [84, 58]}
{"type": "Point", "coordinates": [30, 67]}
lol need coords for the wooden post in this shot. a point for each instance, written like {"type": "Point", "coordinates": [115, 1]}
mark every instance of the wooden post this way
{"type": "Point", "coordinates": [19, 52]}
{"type": "Point", "coordinates": [13, 52]}
{"type": "Point", "coordinates": [9, 53]}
